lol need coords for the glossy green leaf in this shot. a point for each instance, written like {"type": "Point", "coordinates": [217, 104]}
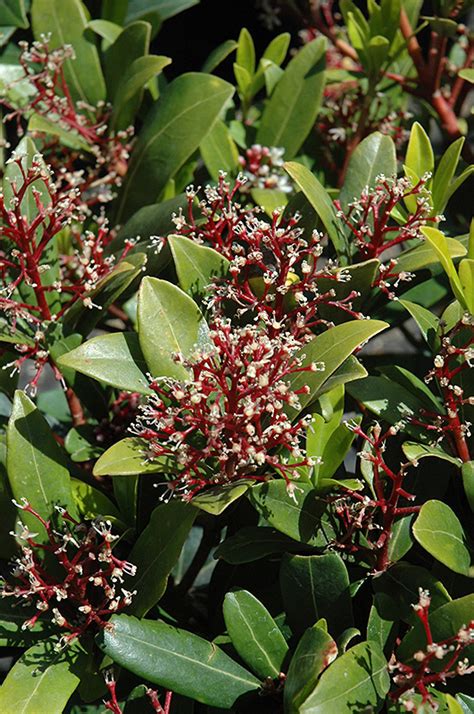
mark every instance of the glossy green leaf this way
{"type": "Point", "coordinates": [156, 552]}
{"type": "Point", "coordinates": [466, 276]}
{"type": "Point", "coordinates": [246, 51]}
{"type": "Point", "coordinates": [252, 543]}
{"type": "Point", "coordinates": [277, 49]}
{"type": "Point", "coordinates": [196, 265]}
{"type": "Point", "coordinates": [218, 55]}
{"type": "Point", "coordinates": [91, 502]}
{"type": "Point", "coordinates": [315, 651]}
{"type": "Point", "coordinates": [13, 12]}
{"type": "Point", "coordinates": [165, 8]}
{"type": "Point", "coordinates": [320, 201]}
{"type": "Point", "coordinates": [419, 156]}
{"type": "Point", "coordinates": [169, 323]}
{"type": "Point", "coordinates": [216, 499]}
{"type": "Point", "coordinates": [424, 256]}
{"type": "Point", "coordinates": [109, 31]}
{"type": "Point", "coordinates": [414, 452]}
{"type": "Point", "coordinates": [300, 517]}
{"type": "Point", "coordinates": [254, 633]}
{"type": "Point", "coordinates": [444, 175]}
{"type": "Point", "coordinates": [294, 105]}
{"type": "Point", "coordinates": [315, 586]}
{"type": "Point", "coordinates": [132, 43]}
{"type": "Point", "coordinates": [66, 23]}
{"type": "Point", "coordinates": [42, 681]}
{"type": "Point", "coordinates": [427, 322]}
{"type": "Point", "coordinates": [113, 359]}
{"type": "Point", "coordinates": [130, 90]}
{"type": "Point", "coordinates": [36, 464]}
{"type": "Point", "coordinates": [219, 151]}
{"type": "Point", "coordinates": [439, 531]}
{"type": "Point", "coordinates": [438, 242]}
{"type": "Point", "coordinates": [43, 125]}
{"type": "Point", "coordinates": [173, 130]}
{"type": "Point", "coordinates": [355, 681]}
{"type": "Point", "coordinates": [467, 472]}
{"type": "Point", "coordinates": [331, 348]}
{"type": "Point", "coordinates": [126, 458]}
{"type": "Point", "coordinates": [445, 622]}
{"type": "Point", "coordinates": [374, 155]}
{"type": "Point", "coordinates": [177, 660]}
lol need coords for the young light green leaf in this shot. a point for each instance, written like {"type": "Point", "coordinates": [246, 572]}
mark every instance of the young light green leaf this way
{"type": "Point", "coordinates": [217, 499]}
{"type": "Point", "coordinates": [218, 55]}
{"type": "Point", "coordinates": [156, 552]}
{"type": "Point", "coordinates": [65, 21]}
{"type": "Point", "coordinates": [114, 359]}
{"type": "Point", "coordinates": [358, 677]}
{"type": "Point", "coordinates": [179, 121]}
{"type": "Point", "coordinates": [196, 265]}
{"type": "Point", "coordinates": [126, 458]}
{"type": "Point", "coordinates": [169, 323]}
{"type": "Point", "coordinates": [277, 49]}
{"type": "Point", "coordinates": [246, 51]}
{"type": "Point", "coordinates": [36, 464]}
{"type": "Point", "coordinates": [254, 633]}
{"type": "Point", "coordinates": [315, 651]}
{"type": "Point", "coordinates": [319, 199]}
{"type": "Point", "coordinates": [425, 256]}
{"type": "Point", "coordinates": [439, 244]}
{"type": "Point", "coordinates": [439, 531]}
{"type": "Point", "coordinates": [466, 276]}
{"type": "Point", "coordinates": [177, 660]}
{"type": "Point", "coordinates": [292, 109]}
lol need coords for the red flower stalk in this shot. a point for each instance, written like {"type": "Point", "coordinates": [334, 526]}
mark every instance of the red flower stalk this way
{"type": "Point", "coordinates": [370, 221]}
{"type": "Point", "coordinates": [86, 595]}
{"type": "Point", "coordinates": [228, 422]}
{"type": "Point", "coordinates": [420, 675]}
{"type": "Point", "coordinates": [51, 98]}
{"type": "Point", "coordinates": [262, 167]}
{"type": "Point", "coordinates": [27, 263]}
{"type": "Point", "coordinates": [374, 517]}
{"type": "Point", "coordinates": [274, 272]}
{"type": "Point", "coordinates": [456, 354]}
{"type": "Point", "coordinates": [113, 705]}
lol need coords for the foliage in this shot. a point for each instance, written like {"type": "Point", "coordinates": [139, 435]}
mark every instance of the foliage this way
{"type": "Point", "coordinates": [236, 457]}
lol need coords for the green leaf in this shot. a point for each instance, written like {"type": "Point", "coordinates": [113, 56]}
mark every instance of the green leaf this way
{"type": "Point", "coordinates": [219, 151]}
{"type": "Point", "coordinates": [13, 12]}
{"type": "Point", "coordinates": [130, 91]}
{"type": "Point", "coordinates": [315, 586]}
{"type": "Point", "coordinates": [165, 8]}
{"type": "Point", "coordinates": [113, 359]}
{"type": "Point", "coordinates": [42, 681]}
{"type": "Point", "coordinates": [246, 51]}
{"type": "Point", "coordinates": [44, 125]}
{"type": "Point", "coordinates": [132, 43]}
{"type": "Point", "coordinates": [467, 472]}
{"type": "Point", "coordinates": [467, 74]}
{"type": "Point", "coordinates": [252, 543]}
{"type": "Point", "coordinates": [109, 31]}
{"type": "Point", "coordinates": [169, 322]}
{"type": "Point", "coordinates": [426, 321]}
{"type": "Point", "coordinates": [177, 660]}
{"type": "Point", "coordinates": [66, 23]}
{"type": "Point", "coordinates": [36, 464]}
{"type": "Point", "coordinates": [254, 633]}
{"type": "Point", "coordinates": [444, 175]}
{"type": "Point", "coordinates": [466, 276]}
{"type": "Point", "coordinates": [173, 130]}
{"type": "Point", "coordinates": [445, 622]}
{"type": "Point", "coordinates": [424, 256]}
{"type": "Point", "coordinates": [419, 156]}
{"type": "Point", "coordinates": [196, 265]}
{"type": "Point", "coordinates": [218, 55]}
{"type": "Point", "coordinates": [374, 155]}
{"type": "Point", "coordinates": [321, 202]}
{"type": "Point", "coordinates": [415, 452]}
{"type": "Point", "coordinates": [91, 502]}
{"type": "Point", "coordinates": [277, 49]}
{"type": "Point", "coordinates": [300, 517]}
{"type": "Point", "coordinates": [294, 105]}
{"type": "Point", "coordinates": [12, 618]}
{"type": "Point", "coordinates": [218, 498]}
{"type": "Point", "coordinates": [439, 243]}
{"type": "Point", "coordinates": [315, 651]}
{"type": "Point", "coordinates": [439, 531]}
{"type": "Point", "coordinates": [355, 681]}
{"type": "Point", "coordinates": [157, 551]}
{"type": "Point", "coordinates": [126, 458]}
{"type": "Point", "coordinates": [331, 348]}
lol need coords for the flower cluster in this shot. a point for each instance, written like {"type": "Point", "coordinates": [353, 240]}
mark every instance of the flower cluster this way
{"type": "Point", "coordinates": [370, 220]}
{"type": "Point", "coordinates": [50, 97]}
{"type": "Point", "coordinates": [38, 281]}
{"type": "Point", "coordinates": [80, 593]}
{"type": "Point", "coordinates": [421, 674]}
{"type": "Point", "coordinates": [275, 274]}
{"type": "Point", "coordinates": [455, 356]}
{"type": "Point", "coordinates": [262, 167]}
{"type": "Point", "coordinates": [230, 418]}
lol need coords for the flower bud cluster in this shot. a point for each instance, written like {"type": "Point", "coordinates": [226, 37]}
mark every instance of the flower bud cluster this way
{"type": "Point", "coordinates": [83, 588]}
{"type": "Point", "coordinates": [230, 421]}
{"type": "Point", "coordinates": [370, 220]}
{"type": "Point", "coordinates": [262, 167]}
